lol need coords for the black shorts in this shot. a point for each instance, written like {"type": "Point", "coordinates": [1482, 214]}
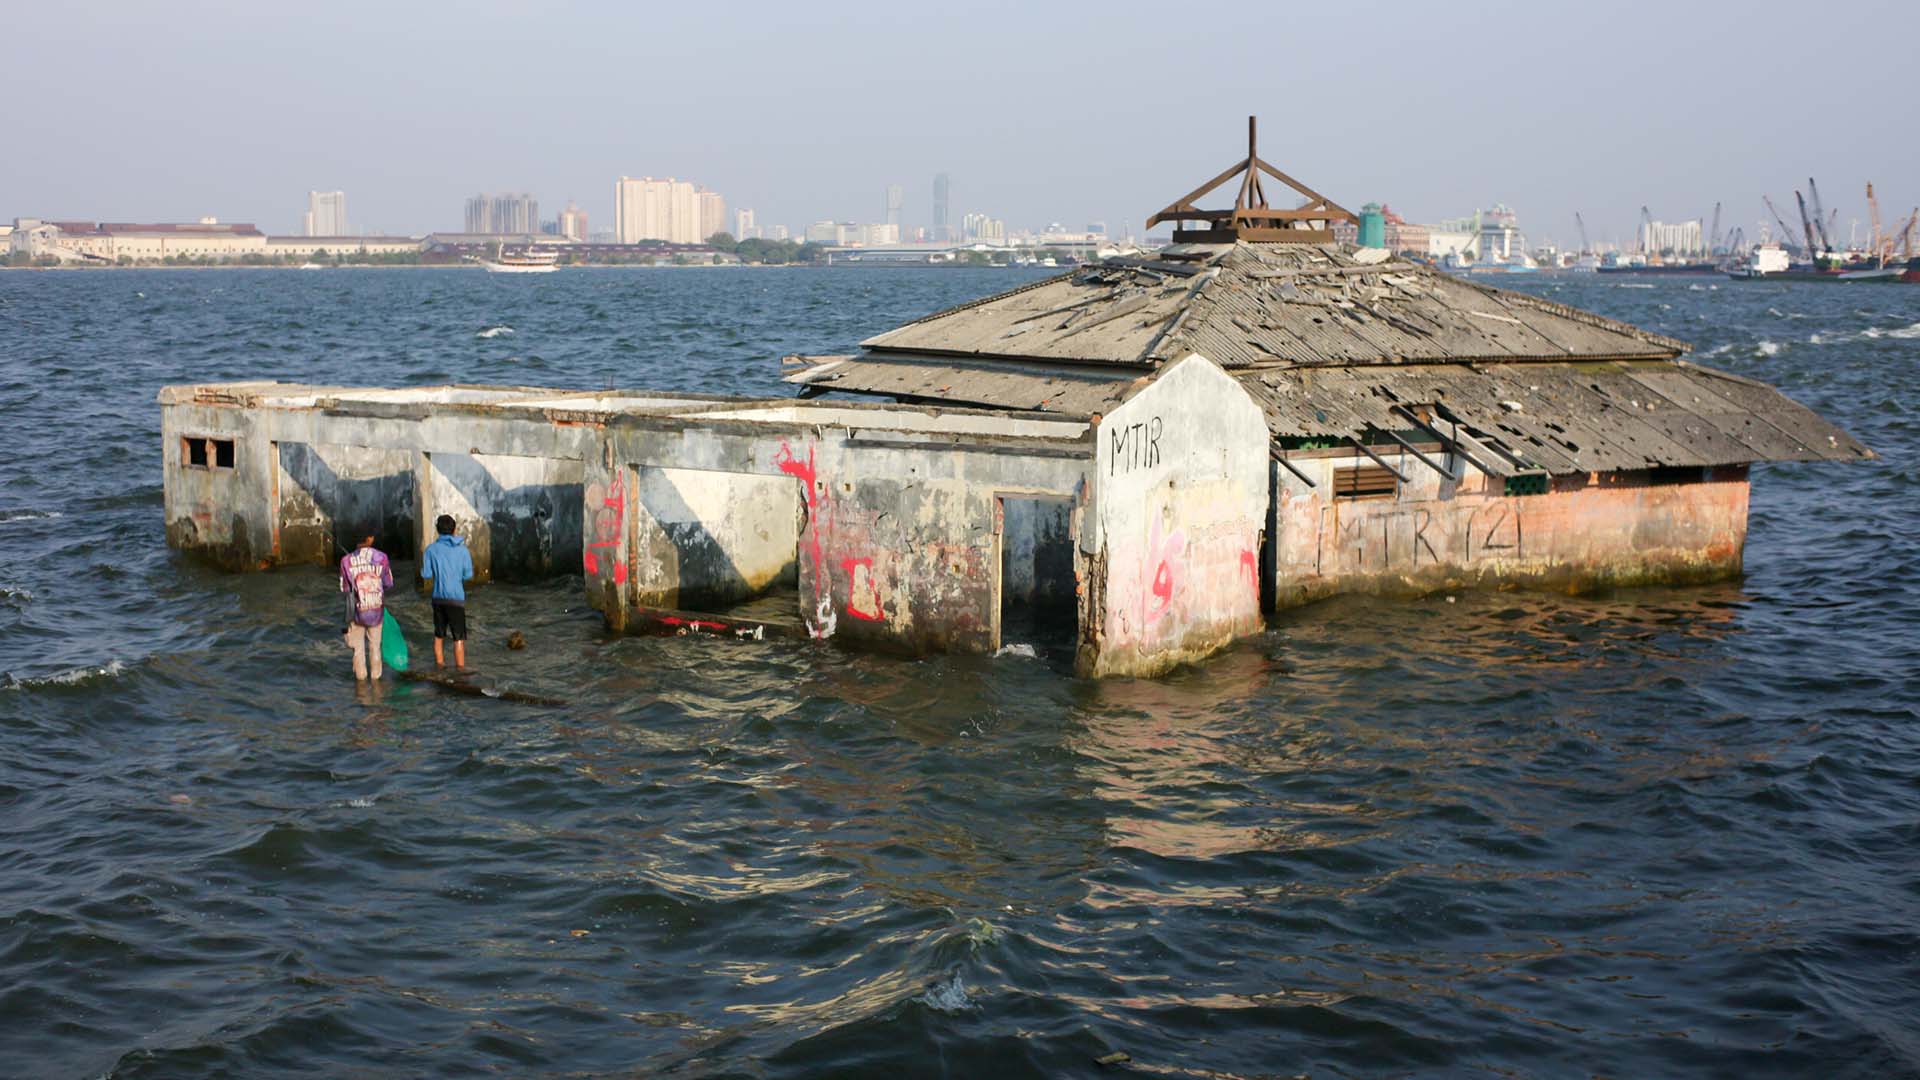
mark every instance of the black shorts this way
{"type": "Point", "coordinates": [449, 620]}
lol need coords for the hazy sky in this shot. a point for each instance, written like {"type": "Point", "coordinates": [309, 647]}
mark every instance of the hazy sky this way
{"type": "Point", "coordinates": [1040, 111]}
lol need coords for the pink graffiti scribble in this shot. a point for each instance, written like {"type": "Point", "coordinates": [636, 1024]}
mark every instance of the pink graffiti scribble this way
{"type": "Point", "coordinates": [608, 519]}
{"type": "Point", "coordinates": [1167, 556]}
{"type": "Point", "coordinates": [863, 593]}
{"type": "Point", "coordinates": [1251, 564]}
{"type": "Point", "coordinates": [823, 622]}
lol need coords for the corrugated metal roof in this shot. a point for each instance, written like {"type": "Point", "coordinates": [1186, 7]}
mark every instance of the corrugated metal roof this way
{"type": "Point", "coordinates": [1334, 343]}
{"type": "Point", "coordinates": [1591, 416]}
{"type": "Point", "coordinates": [1077, 392]}
{"type": "Point", "coordinates": [1249, 305]}
{"type": "Point", "coordinates": [1561, 418]}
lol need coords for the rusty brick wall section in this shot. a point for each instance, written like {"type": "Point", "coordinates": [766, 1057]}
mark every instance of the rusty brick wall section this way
{"type": "Point", "coordinates": [1587, 532]}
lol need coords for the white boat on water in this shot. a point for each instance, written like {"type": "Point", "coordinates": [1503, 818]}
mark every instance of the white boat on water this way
{"type": "Point", "coordinates": [1765, 259]}
{"type": "Point", "coordinates": [530, 260]}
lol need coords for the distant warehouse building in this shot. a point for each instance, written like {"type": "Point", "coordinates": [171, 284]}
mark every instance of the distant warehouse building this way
{"type": "Point", "coordinates": [204, 239]}
{"type": "Point", "coordinates": [307, 247]}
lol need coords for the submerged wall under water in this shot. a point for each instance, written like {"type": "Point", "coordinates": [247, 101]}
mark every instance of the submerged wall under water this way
{"type": "Point", "coordinates": [1152, 535]}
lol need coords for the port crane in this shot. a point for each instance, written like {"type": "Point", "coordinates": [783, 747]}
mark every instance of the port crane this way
{"type": "Point", "coordinates": [1820, 217]}
{"type": "Point", "coordinates": [1646, 237]}
{"type": "Point", "coordinates": [1786, 231]}
{"type": "Point", "coordinates": [1586, 248]}
{"type": "Point", "coordinates": [1806, 224]}
{"type": "Point", "coordinates": [1713, 241]}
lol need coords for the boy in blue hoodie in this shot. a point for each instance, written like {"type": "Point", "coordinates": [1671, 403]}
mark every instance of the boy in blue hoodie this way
{"type": "Point", "coordinates": [449, 565]}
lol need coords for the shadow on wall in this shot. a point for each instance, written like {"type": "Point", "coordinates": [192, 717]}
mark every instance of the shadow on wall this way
{"type": "Point", "coordinates": [737, 537]}
{"type": "Point", "coordinates": [534, 530]}
{"type": "Point", "coordinates": [323, 514]}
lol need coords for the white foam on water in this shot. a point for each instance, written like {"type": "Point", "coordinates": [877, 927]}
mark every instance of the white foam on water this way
{"type": "Point", "coordinates": [1718, 350]}
{"type": "Point", "coordinates": [1634, 285]}
{"type": "Point", "coordinates": [361, 803]}
{"type": "Point", "coordinates": [1905, 333]}
{"type": "Point", "coordinates": [111, 669]}
{"type": "Point", "coordinates": [29, 514]}
{"type": "Point", "coordinates": [495, 331]}
{"type": "Point", "coordinates": [1018, 648]}
{"type": "Point", "coordinates": [1768, 348]}
{"type": "Point", "coordinates": [948, 997]}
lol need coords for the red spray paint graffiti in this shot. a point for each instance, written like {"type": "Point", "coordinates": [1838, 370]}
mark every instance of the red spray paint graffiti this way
{"type": "Point", "coordinates": [863, 593]}
{"type": "Point", "coordinates": [1167, 556]}
{"type": "Point", "coordinates": [608, 519]}
{"type": "Point", "coordinates": [823, 623]}
{"type": "Point", "coordinates": [1251, 564]}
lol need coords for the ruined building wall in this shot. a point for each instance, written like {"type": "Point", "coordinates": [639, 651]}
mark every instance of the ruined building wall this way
{"type": "Point", "coordinates": [705, 538]}
{"type": "Point", "coordinates": [1182, 498]}
{"type": "Point", "coordinates": [892, 539]}
{"type": "Point", "coordinates": [1583, 531]}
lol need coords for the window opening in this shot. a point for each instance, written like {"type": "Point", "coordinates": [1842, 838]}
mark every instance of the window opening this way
{"type": "Point", "coordinates": [207, 453]}
{"type": "Point", "coordinates": [1364, 482]}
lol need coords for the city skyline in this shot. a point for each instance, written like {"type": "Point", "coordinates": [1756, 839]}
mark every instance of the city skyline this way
{"type": "Point", "coordinates": [1585, 111]}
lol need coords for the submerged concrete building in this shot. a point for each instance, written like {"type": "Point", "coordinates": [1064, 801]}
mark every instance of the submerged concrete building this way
{"type": "Point", "coordinates": [1142, 452]}
{"type": "Point", "coordinates": [1425, 431]}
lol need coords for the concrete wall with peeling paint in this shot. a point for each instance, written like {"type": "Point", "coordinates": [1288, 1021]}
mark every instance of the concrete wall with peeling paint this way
{"type": "Point", "coordinates": [705, 538]}
{"type": "Point", "coordinates": [1182, 472]}
{"type": "Point", "coordinates": [1587, 531]}
{"type": "Point", "coordinates": [893, 540]}
{"type": "Point", "coordinates": [520, 515]}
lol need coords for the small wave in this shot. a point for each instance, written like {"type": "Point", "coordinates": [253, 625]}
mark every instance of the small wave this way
{"type": "Point", "coordinates": [1018, 648]}
{"type": "Point", "coordinates": [26, 514]}
{"type": "Point", "coordinates": [1635, 285]}
{"type": "Point", "coordinates": [1718, 350]}
{"type": "Point", "coordinates": [1768, 348]}
{"type": "Point", "coordinates": [110, 670]}
{"type": "Point", "coordinates": [15, 596]}
{"type": "Point", "coordinates": [1778, 314]}
{"type": "Point", "coordinates": [1906, 333]}
{"type": "Point", "coordinates": [948, 997]}
{"type": "Point", "coordinates": [495, 331]}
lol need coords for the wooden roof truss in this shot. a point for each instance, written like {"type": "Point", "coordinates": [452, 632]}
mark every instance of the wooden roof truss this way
{"type": "Point", "coordinates": [1251, 217]}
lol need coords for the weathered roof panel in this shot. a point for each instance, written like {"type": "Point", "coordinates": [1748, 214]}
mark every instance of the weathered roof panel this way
{"type": "Point", "coordinates": [1250, 305]}
{"type": "Point", "coordinates": [1070, 391]}
{"type": "Point", "coordinates": [1561, 418]}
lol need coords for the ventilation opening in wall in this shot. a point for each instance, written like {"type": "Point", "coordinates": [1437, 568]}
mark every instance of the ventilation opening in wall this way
{"type": "Point", "coordinates": [1364, 482]}
{"type": "Point", "coordinates": [1039, 608]}
{"type": "Point", "coordinates": [199, 453]}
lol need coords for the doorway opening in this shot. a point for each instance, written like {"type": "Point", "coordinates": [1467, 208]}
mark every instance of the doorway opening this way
{"type": "Point", "coordinates": [1039, 606]}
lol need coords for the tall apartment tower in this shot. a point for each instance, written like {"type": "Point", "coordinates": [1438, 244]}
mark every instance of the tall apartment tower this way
{"type": "Point", "coordinates": [477, 219]}
{"type": "Point", "coordinates": [326, 213]}
{"type": "Point", "coordinates": [512, 213]}
{"type": "Point", "coordinates": [896, 197]}
{"type": "Point", "coordinates": [670, 210]}
{"type": "Point", "coordinates": [713, 213]}
{"type": "Point", "coordinates": [744, 227]}
{"type": "Point", "coordinates": [573, 222]}
{"type": "Point", "coordinates": [941, 231]}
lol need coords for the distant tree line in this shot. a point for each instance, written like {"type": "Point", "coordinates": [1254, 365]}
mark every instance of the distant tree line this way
{"type": "Point", "coordinates": [767, 252]}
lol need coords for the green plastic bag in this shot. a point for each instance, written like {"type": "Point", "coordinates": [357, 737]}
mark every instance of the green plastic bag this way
{"type": "Point", "coordinates": [393, 643]}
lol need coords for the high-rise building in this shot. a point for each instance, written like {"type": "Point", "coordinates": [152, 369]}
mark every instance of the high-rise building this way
{"type": "Point", "coordinates": [713, 213]}
{"type": "Point", "coordinates": [896, 197]}
{"type": "Point", "coordinates": [326, 213]}
{"type": "Point", "coordinates": [743, 226]}
{"type": "Point", "coordinates": [511, 213]}
{"type": "Point", "coordinates": [778, 232]}
{"type": "Point", "coordinates": [670, 210]}
{"type": "Point", "coordinates": [573, 222]}
{"type": "Point", "coordinates": [941, 233]}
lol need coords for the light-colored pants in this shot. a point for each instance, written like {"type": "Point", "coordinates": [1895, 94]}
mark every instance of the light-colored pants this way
{"type": "Point", "coordinates": [365, 643]}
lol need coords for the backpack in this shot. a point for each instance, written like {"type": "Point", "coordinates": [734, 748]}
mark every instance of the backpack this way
{"type": "Point", "coordinates": [368, 593]}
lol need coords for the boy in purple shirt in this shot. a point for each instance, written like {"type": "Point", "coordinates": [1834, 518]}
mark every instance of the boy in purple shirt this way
{"type": "Point", "coordinates": [365, 576]}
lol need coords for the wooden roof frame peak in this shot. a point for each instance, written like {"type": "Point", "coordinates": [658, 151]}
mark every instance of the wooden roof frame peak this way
{"type": "Point", "coordinates": [1252, 218]}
